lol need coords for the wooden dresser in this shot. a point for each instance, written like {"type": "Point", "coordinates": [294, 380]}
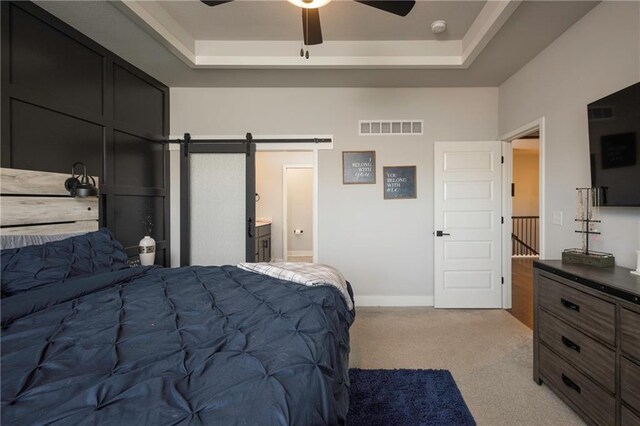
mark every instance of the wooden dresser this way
{"type": "Point", "coordinates": [586, 344]}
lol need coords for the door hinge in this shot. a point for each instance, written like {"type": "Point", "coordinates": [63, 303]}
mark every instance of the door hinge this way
{"type": "Point", "coordinates": [502, 280]}
{"type": "Point", "coordinates": [502, 219]}
{"type": "Point", "coordinates": [502, 159]}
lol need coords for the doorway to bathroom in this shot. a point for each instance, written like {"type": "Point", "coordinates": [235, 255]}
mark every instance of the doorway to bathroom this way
{"type": "Point", "coordinates": [286, 200]}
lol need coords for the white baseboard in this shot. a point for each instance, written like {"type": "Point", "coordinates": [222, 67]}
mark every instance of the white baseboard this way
{"type": "Point", "coordinates": [364, 300]}
{"type": "Point", "coordinates": [300, 253]}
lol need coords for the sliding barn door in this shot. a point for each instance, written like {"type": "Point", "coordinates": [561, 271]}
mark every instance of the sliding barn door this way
{"type": "Point", "coordinates": [218, 203]}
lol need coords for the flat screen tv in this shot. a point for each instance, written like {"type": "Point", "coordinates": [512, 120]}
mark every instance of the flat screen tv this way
{"type": "Point", "coordinates": [614, 143]}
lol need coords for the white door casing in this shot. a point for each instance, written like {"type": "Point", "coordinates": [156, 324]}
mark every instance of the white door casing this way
{"type": "Point", "coordinates": [316, 148]}
{"type": "Point", "coordinates": [467, 206]}
{"type": "Point", "coordinates": [531, 127]}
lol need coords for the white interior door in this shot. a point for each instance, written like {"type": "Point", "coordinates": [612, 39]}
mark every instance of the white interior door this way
{"type": "Point", "coordinates": [468, 224]}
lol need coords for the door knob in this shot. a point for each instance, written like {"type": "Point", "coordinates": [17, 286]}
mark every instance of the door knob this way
{"type": "Point", "coordinates": [440, 233]}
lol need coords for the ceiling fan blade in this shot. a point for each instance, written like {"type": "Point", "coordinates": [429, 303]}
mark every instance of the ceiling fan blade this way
{"type": "Point", "coordinates": [311, 27]}
{"type": "Point", "coordinates": [215, 2]}
{"type": "Point", "coordinates": [397, 7]}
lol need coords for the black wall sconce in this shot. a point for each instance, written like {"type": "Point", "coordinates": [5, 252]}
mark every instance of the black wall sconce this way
{"type": "Point", "coordinates": [79, 185]}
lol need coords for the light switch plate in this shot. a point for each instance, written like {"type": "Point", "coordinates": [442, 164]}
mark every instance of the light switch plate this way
{"type": "Point", "coordinates": [557, 218]}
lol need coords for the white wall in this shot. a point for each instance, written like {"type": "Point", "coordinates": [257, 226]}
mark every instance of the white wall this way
{"type": "Point", "coordinates": [385, 248]}
{"type": "Point", "coordinates": [269, 186]}
{"type": "Point", "coordinates": [599, 55]}
{"type": "Point", "coordinates": [300, 211]}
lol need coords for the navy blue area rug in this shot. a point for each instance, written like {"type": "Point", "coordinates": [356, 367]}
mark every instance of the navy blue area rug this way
{"type": "Point", "coordinates": [405, 397]}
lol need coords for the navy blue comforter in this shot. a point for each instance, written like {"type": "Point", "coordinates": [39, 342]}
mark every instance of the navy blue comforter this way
{"type": "Point", "coordinates": [197, 345]}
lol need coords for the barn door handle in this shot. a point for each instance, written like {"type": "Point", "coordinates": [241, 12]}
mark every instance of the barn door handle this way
{"type": "Point", "coordinates": [570, 305]}
{"type": "Point", "coordinates": [440, 234]}
{"type": "Point", "coordinates": [249, 227]}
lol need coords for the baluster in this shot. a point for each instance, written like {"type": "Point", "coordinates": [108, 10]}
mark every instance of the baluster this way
{"type": "Point", "coordinates": [529, 233]}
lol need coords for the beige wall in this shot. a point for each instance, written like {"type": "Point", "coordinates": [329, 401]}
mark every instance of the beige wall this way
{"type": "Point", "coordinates": [597, 56]}
{"type": "Point", "coordinates": [525, 178]}
{"type": "Point", "coordinates": [269, 182]}
{"type": "Point", "coordinates": [299, 211]}
{"type": "Point", "coordinates": [385, 248]}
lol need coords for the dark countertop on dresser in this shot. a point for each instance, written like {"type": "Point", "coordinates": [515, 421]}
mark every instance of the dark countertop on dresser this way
{"type": "Point", "coordinates": [616, 281]}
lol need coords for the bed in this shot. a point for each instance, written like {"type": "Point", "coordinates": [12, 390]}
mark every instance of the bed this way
{"type": "Point", "coordinates": [88, 340]}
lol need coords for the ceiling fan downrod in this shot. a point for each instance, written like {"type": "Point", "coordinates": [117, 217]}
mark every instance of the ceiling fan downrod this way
{"type": "Point", "coordinates": [306, 29]}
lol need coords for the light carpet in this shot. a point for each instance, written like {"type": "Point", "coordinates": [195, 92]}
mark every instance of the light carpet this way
{"type": "Point", "coordinates": [488, 352]}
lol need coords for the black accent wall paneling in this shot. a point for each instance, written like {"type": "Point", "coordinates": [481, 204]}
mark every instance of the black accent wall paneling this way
{"type": "Point", "coordinates": [49, 62]}
{"type": "Point", "coordinates": [136, 102]}
{"type": "Point", "coordinates": [137, 161]}
{"type": "Point", "coordinates": [43, 139]}
{"type": "Point", "coordinates": [65, 98]}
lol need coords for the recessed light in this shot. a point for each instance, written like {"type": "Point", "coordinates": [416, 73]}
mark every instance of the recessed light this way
{"type": "Point", "coordinates": [438, 26]}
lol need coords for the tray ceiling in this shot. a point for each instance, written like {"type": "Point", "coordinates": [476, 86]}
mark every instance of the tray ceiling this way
{"type": "Point", "coordinates": [503, 37]}
{"type": "Point", "coordinates": [341, 20]}
{"type": "Point", "coordinates": [266, 33]}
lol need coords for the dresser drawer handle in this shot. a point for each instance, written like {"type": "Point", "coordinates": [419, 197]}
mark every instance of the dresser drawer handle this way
{"type": "Point", "coordinates": [570, 383]}
{"type": "Point", "coordinates": [571, 345]}
{"type": "Point", "coordinates": [570, 305]}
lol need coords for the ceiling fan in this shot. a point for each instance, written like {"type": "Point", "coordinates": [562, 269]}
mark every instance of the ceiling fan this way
{"type": "Point", "coordinates": [311, 30]}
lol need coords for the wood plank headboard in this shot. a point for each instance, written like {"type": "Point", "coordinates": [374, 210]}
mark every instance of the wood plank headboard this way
{"type": "Point", "coordinates": [36, 203]}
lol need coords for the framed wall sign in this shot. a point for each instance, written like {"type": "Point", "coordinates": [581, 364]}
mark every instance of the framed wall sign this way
{"type": "Point", "coordinates": [358, 167]}
{"type": "Point", "coordinates": [399, 182]}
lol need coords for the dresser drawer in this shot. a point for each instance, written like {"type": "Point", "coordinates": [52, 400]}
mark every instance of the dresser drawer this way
{"type": "Point", "coordinates": [578, 388]}
{"type": "Point", "coordinates": [628, 418]}
{"type": "Point", "coordinates": [630, 333]}
{"type": "Point", "coordinates": [588, 313]}
{"type": "Point", "coordinates": [630, 383]}
{"type": "Point", "coordinates": [593, 358]}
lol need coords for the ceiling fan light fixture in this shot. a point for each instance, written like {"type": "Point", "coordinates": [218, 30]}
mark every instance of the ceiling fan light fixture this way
{"type": "Point", "coordinates": [309, 4]}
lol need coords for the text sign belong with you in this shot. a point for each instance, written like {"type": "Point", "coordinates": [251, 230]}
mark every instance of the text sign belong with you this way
{"type": "Point", "coordinates": [358, 167]}
{"type": "Point", "coordinates": [399, 182]}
